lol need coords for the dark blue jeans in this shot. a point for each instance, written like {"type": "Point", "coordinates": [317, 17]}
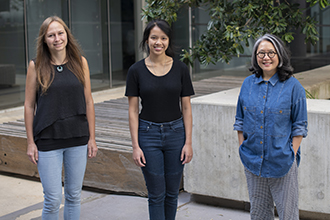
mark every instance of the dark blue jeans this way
{"type": "Point", "coordinates": [162, 144]}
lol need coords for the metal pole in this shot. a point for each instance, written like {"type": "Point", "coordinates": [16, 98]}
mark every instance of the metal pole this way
{"type": "Point", "coordinates": [69, 14]}
{"type": "Point", "coordinates": [25, 35]}
{"type": "Point", "coordinates": [190, 36]}
{"type": "Point", "coordinates": [109, 42]}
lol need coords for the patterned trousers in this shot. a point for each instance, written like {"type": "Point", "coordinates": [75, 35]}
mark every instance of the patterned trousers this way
{"type": "Point", "coordinates": [263, 192]}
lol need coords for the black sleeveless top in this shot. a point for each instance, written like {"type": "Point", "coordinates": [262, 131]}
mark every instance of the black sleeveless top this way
{"type": "Point", "coordinates": [60, 120]}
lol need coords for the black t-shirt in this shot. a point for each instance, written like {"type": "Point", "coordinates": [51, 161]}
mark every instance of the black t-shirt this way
{"type": "Point", "coordinates": [160, 95]}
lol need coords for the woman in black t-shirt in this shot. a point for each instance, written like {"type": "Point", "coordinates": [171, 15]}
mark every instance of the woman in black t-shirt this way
{"type": "Point", "coordinates": [59, 117]}
{"type": "Point", "coordinates": [161, 132]}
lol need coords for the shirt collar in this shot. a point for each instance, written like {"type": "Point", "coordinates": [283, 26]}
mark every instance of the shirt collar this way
{"type": "Point", "coordinates": [272, 80]}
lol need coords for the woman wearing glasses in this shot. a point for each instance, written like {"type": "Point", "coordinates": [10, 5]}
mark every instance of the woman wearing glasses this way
{"type": "Point", "coordinates": [271, 120]}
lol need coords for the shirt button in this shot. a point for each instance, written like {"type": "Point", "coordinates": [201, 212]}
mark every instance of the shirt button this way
{"type": "Point", "coordinates": [264, 97]}
{"type": "Point", "coordinates": [280, 111]}
{"type": "Point", "coordinates": [261, 157]}
{"type": "Point", "coordinates": [262, 112]}
{"type": "Point", "coordinates": [266, 83]}
{"type": "Point", "coordinates": [261, 127]}
{"type": "Point", "coordinates": [260, 142]}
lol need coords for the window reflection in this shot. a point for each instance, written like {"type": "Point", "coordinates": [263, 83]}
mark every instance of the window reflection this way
{"type": "Point", "coordinates": [89, 26]}
{"type": "Point", "coordinates": [12, 54]}
{"type": "Point", "coordinates": [122, 37]}
{"type": "Point", "coordinates": [107, 33]}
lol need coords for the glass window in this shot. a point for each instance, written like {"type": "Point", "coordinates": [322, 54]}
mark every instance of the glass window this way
{"type": "Point", "coordinates": [36, 13]}
{"type": "Point", "coordinates": [90, 28]}
{"type": "Point", "coordinates": [304, 56]}
{"type": "Point", "coordinates": [181, 31]}
{"type": "Point", "coordinates": [313, 56]}
{"type": "Point", "coordinates": [12, 54]}
{"type": "Point", "coordinates": [88, 21]}
{"type": "Point", "coordinates": [122, 35]}
{"type": "Point", "coordinates": [236, 66]}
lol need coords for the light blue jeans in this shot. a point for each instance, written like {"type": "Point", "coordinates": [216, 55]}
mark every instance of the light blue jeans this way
{"type": "Point", "coordinates": [50, 164]}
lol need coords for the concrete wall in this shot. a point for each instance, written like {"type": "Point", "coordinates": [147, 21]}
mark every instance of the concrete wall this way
{"type": "Point", "coordinates": [316, 81]}
{"type": "Point", "coordinates": [216, 169]}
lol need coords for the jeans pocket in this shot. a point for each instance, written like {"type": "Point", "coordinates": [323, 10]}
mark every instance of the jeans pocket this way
{"type": "Point", "coordinates": [144, 127]}
{"type": "Point", "coordinates": [178, 126]}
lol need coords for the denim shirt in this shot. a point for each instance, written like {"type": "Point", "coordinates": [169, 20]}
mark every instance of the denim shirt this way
{"type": "Point", "coordinates": [270, 113]}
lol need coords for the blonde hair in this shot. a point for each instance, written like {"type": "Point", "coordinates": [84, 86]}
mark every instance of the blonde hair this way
{"type": "Point", "coordinates": [44, 69]}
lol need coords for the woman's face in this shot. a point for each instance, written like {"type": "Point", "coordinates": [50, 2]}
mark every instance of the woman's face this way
{"type": "Point", "coordinates": [56, 37]}
{"type": "Point", "coordinates": [267, 64]}
{"type": "Point", "coordinates": [158, 41]}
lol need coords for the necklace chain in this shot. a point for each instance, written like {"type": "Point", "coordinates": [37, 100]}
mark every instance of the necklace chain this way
{"type": "Point", "coordinates": [61, 62]}
{"type": "Point", "coordinates": [59, 68]}
{"type": "Point", "coordinates": [152, 65]}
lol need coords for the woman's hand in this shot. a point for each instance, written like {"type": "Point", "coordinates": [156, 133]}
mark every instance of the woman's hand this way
{"type": "Point", "coordinates": [92, 148]}
{"type": "Point", "coordinates": [138, 157]}
{"type": "Point", "coordinates": [32, 152]}
{"type": "Point", "coordinates": [133, 117]}
{"type": "Point", "coordinates": [90, 111]}
{"type": "Point", "coordinates": [29, 110]}
{"type": "Point", "coordinates": [186, 153]}
{"type": "Point", "coordinates": [296, 141]}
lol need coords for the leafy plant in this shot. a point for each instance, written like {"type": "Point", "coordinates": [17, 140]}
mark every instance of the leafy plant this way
{"type": "Point", "coordinates": [309, 95]}
{"type": "Point", "coordinates": [233, 22]}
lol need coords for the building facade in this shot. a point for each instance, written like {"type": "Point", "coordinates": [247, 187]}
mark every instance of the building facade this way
{"type": "Point", "coordinates": [109, 32]}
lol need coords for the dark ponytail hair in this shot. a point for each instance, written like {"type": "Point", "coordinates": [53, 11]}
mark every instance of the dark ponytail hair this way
{"type": "Point", "coordinates": [165, 27]}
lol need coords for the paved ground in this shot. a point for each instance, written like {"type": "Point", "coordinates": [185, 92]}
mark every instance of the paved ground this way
{"type": "Point", "coordinates": [21, 199]}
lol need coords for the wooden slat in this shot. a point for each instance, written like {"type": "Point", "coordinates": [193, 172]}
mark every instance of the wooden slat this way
{"type": "Point", "coordinates": [113, 168]}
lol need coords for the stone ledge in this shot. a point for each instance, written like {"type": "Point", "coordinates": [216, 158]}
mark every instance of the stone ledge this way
{"type": "Point", "coordinates": [316, 81]}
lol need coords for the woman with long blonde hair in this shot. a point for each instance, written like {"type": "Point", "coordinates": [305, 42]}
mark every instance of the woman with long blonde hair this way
{"type": "Point", "coordinates": [59, 117]}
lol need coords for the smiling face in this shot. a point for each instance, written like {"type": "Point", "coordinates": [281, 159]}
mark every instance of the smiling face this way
{"type": "Point", "coordinates": [56, 37]}
{"type": "Point", "coordinates": [267, 64]}
{"type": "Point", "coordinates": [158, 41]}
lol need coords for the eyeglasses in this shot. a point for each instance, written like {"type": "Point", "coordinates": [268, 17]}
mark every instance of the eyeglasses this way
{"type": "Point", "coordinates": [270, 54]}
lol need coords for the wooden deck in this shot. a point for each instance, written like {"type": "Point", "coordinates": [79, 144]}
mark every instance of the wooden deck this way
{"type": "Point", "coordinates": [113, 168]}
{"type": "Point", "coordinates": [112, 116]}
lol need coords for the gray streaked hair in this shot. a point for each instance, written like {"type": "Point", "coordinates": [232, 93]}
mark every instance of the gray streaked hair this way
{"type": "Point", "coordinates": [284, 68]}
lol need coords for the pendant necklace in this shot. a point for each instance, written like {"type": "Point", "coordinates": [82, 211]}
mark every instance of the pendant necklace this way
{"type": "Point", "coordinates": [59, 68]}
{"type": "Point", "coordinates": [152, 65]}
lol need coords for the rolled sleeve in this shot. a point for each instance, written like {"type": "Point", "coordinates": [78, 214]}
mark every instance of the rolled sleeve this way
{"type": "Point", "coordinates": [238, 126]}
{"type": "Point", "coordinates": [299, 128]}
{"type": "Point", "coordinates": [299, 113]}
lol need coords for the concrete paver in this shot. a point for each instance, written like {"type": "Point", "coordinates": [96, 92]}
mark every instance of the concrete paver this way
{"type": "Point", "coordinates": [17, 194]}
{"type": "Point", "coordinates": [21, 199]}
